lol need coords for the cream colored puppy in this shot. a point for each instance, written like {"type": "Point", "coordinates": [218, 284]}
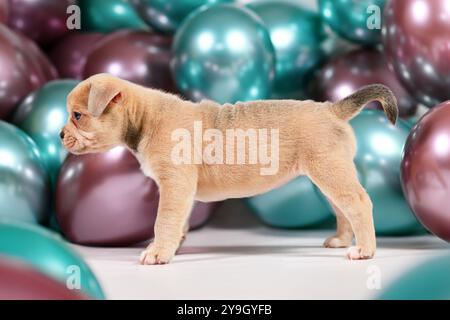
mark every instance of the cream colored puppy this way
{"type": "Point", "coordinates": [311, 138]}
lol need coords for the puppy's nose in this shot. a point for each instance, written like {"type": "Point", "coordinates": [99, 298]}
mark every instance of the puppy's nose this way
{"type": "Point", "coordinates": [61, 134]}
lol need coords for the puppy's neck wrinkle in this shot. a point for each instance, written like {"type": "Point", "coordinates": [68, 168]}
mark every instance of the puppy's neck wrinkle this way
{"type": "Point", "coordinates": [133, 136]}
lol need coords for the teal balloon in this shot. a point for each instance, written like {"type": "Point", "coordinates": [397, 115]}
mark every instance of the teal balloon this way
{"type": "Point", "coordinates": [47, 252]}
{"type": "Point", "coordinates": [297, 35]}
{"type": "Point", "coordinates": [356, 20]}
{"type": "Point", "coordinates": [24, 183]}
{"type": "Point", "coordinates": [167, 15]}
{"type": "Point", "coordinates": [427, 281]}
{"type": "Point", "coordinates": [42, 115]}
{"type": "Point", "coordinates": [379, 153]}
{"type": "Point", "coordinates": [223, 53]}
{"type": "Point", "coordinates": [109, 15]}
{"type": "Point", "coordinates": [298, 204]}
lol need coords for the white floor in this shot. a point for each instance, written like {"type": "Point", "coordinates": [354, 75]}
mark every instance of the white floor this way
{"type": "Point", "coordinates": [235, 257]}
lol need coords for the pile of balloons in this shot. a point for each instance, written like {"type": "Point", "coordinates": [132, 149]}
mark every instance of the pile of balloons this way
{"type": "Point", "coordinates": [225, 51]}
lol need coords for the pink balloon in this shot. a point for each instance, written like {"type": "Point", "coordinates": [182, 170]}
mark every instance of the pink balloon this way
{"type": "Point", "coordinates": [425, 170]}
{"type": "Point", "coordinates": [21, 282]}
{"type": "Point", "coordinates": [70, 53]}
{"type": "Point", "coordinates": [41, 20]}
{"type": "Point", "coordinates": [24, 68]}
{"type": "Point", "coordinates": [104, 199]}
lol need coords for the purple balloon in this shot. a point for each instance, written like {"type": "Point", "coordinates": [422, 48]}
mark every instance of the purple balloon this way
{"type": "Point", "coordinates": [41, 20]}
{"type": "Point", "coordinates": [70, 53]}
{"type": "Point", "coordinates": [138, 56]}
{"type": "Point", "coordinates": [425, 170]}
{"type": "Point", "coordinates": [22, 282]}
{"type": "Point", "coordinates": [416, 36]}
{"type": "Point", "coordinates": [24, 68]}
{"type": "Point", "coordinates": [347, 73]}
{"type": "Point", "coordinates": [4, 11]}
{"type": "Point", "coordinates": [104, 199]}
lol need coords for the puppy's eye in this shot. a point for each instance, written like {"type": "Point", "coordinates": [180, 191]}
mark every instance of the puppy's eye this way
{"type": "Point", "coordinates": [77, 116]}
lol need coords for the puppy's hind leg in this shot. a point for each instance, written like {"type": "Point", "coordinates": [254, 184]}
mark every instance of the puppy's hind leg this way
{"type": "Point", "coordinates": [344, 232]}
{"type": "Point", "coordinates": [337, 179]}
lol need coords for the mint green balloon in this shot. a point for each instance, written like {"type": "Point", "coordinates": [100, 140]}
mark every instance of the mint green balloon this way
{"type": "Point", "coordinates": [297, 35]}
{"type": "Point", "coordinates": [167, 15]}
{"type": "Point", "coordinates": [24, 182]}
{"type": "Point", "coordinates": [42, 115]}
{"type": "Point", "coordinates": [428, 281]}
{"type": "Point", "coordinates": [223, 53]}
{"type": "Point", "coordinates": [47, 252]}
{"type": "Point", "coordinates": [298, 204]}
{"type": "Point", "coordinates": [109, 15]}
{"type": "Point", "coordinates": [356, 20]}
{"type": "Point", "coordinates": [379, 153]}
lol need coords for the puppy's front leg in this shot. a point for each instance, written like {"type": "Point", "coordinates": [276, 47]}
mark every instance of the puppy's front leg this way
{"type": "Point", "coordinates": [175, 203]}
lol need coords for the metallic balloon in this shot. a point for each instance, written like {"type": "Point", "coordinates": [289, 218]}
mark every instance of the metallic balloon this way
{"type": "Point", "coordinates": [42, 115]}
{"type": "Point", "coordinates": [4, 11]}
{"type": "Point", "coordinates": [416, 36]}
{"type": "Point", "coordinates": [109, 15]}
{"type": "Point", "coordinates": [24, 183]}
{"type": "Point", "coordinates": [41, 20]}
{"type": "Point", "coordinates": [24, 68]}
{"type": "Point", "coordinates": [110, 187]}
{"type": "Point", "coordinates": [70, 53]}
{"type": "Point", "coordinates": [49, 254]}
{"type": "Point", "coordinates": [167, 15]}
{"type": "Point", "coordinates": [427, 281]}
{"type": "Point", "coordinates": [355, 20]}
{"type": "Point", "coordinates": [345, 74]}
{"type": "Point", "coordinates": [378, 158]}
{"type": "Point", "coordinates": [298, 204]}
{"type": "Point", "coordinates": [426, 170]}
{"type": "Point", "coordinates": [138, 56]}
{"type": "Point", "coordinates": [297, 35]}
{"type": "Point", "coordinates": [22, 282]}
{"type": "Point", "coordinates": [224, 53]}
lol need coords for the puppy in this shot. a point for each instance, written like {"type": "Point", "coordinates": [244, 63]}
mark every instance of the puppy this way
{"type": "Point", "coordinates": [312, 139]}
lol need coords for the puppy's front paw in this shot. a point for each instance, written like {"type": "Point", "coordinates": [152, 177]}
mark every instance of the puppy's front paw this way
{"type": "Point", "coordinates": [337, 242]}
{"type": "Point", "coordinates": [358, 253]}
{"type": "Point", "coordinates": [156, 255]}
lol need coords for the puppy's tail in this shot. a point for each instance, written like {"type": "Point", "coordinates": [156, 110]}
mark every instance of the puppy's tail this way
{"type": "Point", "coordinates": [350, 106]}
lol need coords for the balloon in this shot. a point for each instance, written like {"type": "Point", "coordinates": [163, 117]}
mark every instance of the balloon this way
{"type": "Point", "coordinates": [427, 281]}
{"type": "Point", "coordinates": [24, 68]}
{"type": "Point", "coordinates": [223, 53]}
{"type": "Point", "coordinates": [24, 183]}
{"type": "Point", "coordinates": [70, 53]}
{"type": "Point", "coordinates": [416, 36]}
{"type": "Point", "coordinates": [355, 20]}
{"type": "Point", "coordinates": [110, 186]}
{"type": "Point", "coordinates": [42, 115]}
{"type": "Point", "coordinates": [425, 170]}
{"type": "Point", "coordinates": [138, 56]}
{"type": "Point", "coordinates": [298, 204]}
{"type": "Point", "coordinates": [49, 254]}
{"type": "Point", "coordinates": [21, 282]}
{"type": "Point", "coordinates": [109, 15]}
{"type": "Point", "coordinates": [345, 74]}
{"type": "Point", "coordinates": [378, 158]}
{"type": "Point", "coordinates": [4, 11]}
{"type": "Point", "coordinates": [167, 15]}
{"type": "Point", "coordinates": [41, 20]}
{"type": "Point", "coordinates": [296, 35]}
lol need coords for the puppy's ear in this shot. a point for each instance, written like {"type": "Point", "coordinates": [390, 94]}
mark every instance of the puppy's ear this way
{"type": "Point", "coordinates": [101, 93]}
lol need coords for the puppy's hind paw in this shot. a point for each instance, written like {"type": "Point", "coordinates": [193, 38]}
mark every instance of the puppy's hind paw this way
{"type": "Point", "coordinates": [153, 255]}
{"type": "Point", "coordinates": [358, 253]}
{"type": "Point", "coordinates": [337, 242]}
